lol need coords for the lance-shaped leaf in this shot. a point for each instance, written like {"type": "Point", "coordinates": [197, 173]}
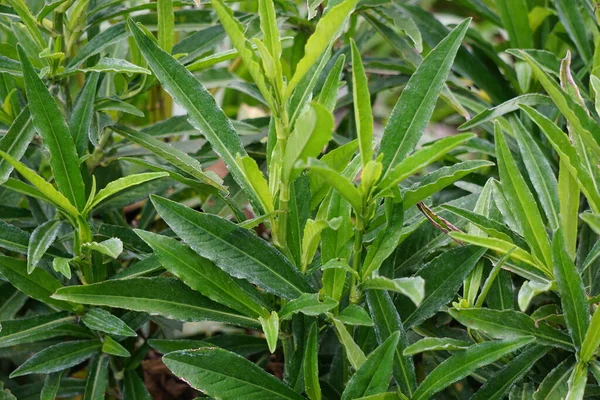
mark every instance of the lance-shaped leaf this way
{"type": "Point", "coordinates": [374, 375]}
{"type": "Point", "coordinates": [308, 304]}
{"type": "Point", "coordinates": [554, 385]}
{"type": "Point", "coordinates": [509, 324]}
{"type": "Point", "coordinates": [167, 297]}
{"type": "Point", "coordinates": [413, 288]}
{"type": "Point", "coordinates": [121, 184]}
{"type": "Point", "coordinates": [443, 276]}
{"type": "Point", "coordinates": [592, 338]}
{"type": "Point", "coordinates": [15, 142]}
{"type": "Point", "coordinates": [103, 321]}
{"type": "Point", "coordinates": [571, 18]}
{"type": "Point", "coordinates": [233, 249]}
{"type": "Point", "coordinates": [539, 171]}
{"type": "Point", "coordinates": [80, 120]}
{"type": "Point", "coordinates": [416, 103]}
{"type": "Point", "coordinates": [568, 154]}
{"type": "Point", "coordinates": [354, 353]}
{"type": "Point", "coordinates": [363, 115]}
{"type": "Point", "coordinates": [256, 178]}
{"type": "Point", "coordinates": [522, 201]}
{"type": "Point", "coordinates": [311, 133]}
{"type": "Point", "coordinates": [48, 192]}
{"type": "Point", "coordinates": [112, 247]}
{"type": "Point", "coordinates": [203, 276]}
{"type": "Point", "coordinates": [108, 64]}
{"type": "Point", "coordinates": [326, 31]}
{"type": "Point", "coordinates": [310, 364]}
{"type": "Point", "coordinates": [571, 290]}
{"type": "Point", "coordinates": [387, 322]}
{"type": "Point", "coordinates": [38, 285]}
{"type": "Point", "coordinates": [134, 387]}
{"type": "Point", "coordinates": [51, 125]}
{"type": "Point", "coordinates": [33, 329]}
{"type": "Point", "coordinates": [203, 112]}
{"type": "Point", "coordinates": [172, 155]}
{"type": "Point", "coordinates": [517, 24]}
{"type": "Point", "coordinates": [499, 384]}
{"type": "Point", "coordinates": [439, 179]}
{"type": "Point", "coordinates": [464, 363]}
{"type": "Point", "coordinates": [420, 159]}
{"type": "Point", "coordinates": [435, 344]}
{"type": "Point", "coordinates": [337, 181]}
{"type": "Point", "coordinates": [97, 379]}
{"type": "Point", "coordinates": [222, 374]}
{"type": "Point", "coordinates": [58, 357]}
{"type": "Point", "coordinates": [41, 239]}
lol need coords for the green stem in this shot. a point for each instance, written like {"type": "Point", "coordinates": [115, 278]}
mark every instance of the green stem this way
{"type": "Point", "coordinates": [356, 258]}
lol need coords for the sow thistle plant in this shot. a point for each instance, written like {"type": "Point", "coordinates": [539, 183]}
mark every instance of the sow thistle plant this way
{"type": "Point", "coordinates": [333, 261]}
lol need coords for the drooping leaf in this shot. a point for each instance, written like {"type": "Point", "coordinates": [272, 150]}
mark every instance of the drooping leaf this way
{"type": "Point", "coordinates": [223, 374]}
{"type": "Point", "coordinates": [58, 357]}
{"type": "Point", "coordinates": [167, 297]}
{"type": "Point", "coordinates": [226, 244]}
{"type": "Point", "coordinates": [463, 363]}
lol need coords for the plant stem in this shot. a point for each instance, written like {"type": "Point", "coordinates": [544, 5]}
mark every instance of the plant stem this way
{"type": "Point", "coordinates": [356, 258]}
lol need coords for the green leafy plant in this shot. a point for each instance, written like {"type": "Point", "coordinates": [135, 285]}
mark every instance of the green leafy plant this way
{"type": "Point", "coordinates": [195, 203]}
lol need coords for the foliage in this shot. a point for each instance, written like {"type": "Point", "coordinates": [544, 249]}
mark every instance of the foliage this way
{"type": "Point", "coordinates": [277, 200]}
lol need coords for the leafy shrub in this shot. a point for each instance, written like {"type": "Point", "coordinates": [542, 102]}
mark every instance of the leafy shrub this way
{"type": "Point", "coordinates": [298, 232]}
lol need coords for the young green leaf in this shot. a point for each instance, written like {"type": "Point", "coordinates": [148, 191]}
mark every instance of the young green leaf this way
{"type": "Point", "coordinates": [327, 30]}
{"type": "Point", "coordinates": [58, 357]}
{"type": "Point", "coordinates": [337, 181]}
{"type": "Point", "coordinates": [416, 103]}
{"type": "Point", "coordinates": [80, 120]}
{"type": "Point", "coordinates": [270, 327]}
{"type": "Point", "coordinates": [158, 296]}
{"type": "Point", "coordinates": [363, 115]}
{"type": "Point", "coordinates": [435, 344]}
{"type": "Point", "coordinates": [233, 249]}
{"type": "Point", "coordinates": [15, 141]}
{"type": "Point", "coordinates": [166, 24]}
{"type": "Point", "coordinates": [223, 374]}
{"type": "Point", "coordinates": [413, 288]}
{"type": "Point", "coordinates": [111, 346]}
{"type": "Point", "coordinates": [41, 239]}
{"type": "Point", "coordinates": [308, 304]}
{"type": "Point", "coordinates": [354, 353]}
{"type": "Point", "coordinates": [112, 247]}
{"type": "Point", "coordinates": [51, 125]}
{"type": "Point", "coordinates": [374, 375]}
{"type": "Point", "coordinates": [464, 363]}
{"type": "Point", "coordinates": [107, 64]}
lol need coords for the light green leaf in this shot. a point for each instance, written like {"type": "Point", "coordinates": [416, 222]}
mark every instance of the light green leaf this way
{"type": "Point", "coordinates": [47, 190]}
{"type": "Point", "coordinates": [15, 142]}
{"type": "Point", "coordinates": [222, 374]}
{"type": "Point", "coordinates": [577, 382]}
{"type": "Point", "coordinates": [166, 24]}
{"type": "Point", "coordinates": [337, 181]}
{"type": "Point", "coordinates": [413, 288]}
{"type": "Point", "coordinates": [327, 30]}
{"type": "Point", "coordinates": [354, 353]}
{"type": "Point", "coordinates": [529, 290]}
{"type": "Point", "coordinates": [270, 327]}
{"type": "Point", "coordinates": [435, 344]}
{"type": "Point", "coordinates": [167, 297]}
{"type": "Point", "coordinates": [41, 239]}
{"type": "Point", "coordinates": [112, 247]}
{"type": "Point", "coordinates": [61, 264]}
{"type": "Point", "coordinates": [111, 346]}
{"type": "Point", "coordinates": [257, 180]}
{"type": "Point", "coordinates": [464, 363]}
{"type": "Point", "coordinates": [363, 115]}
{"type": "Point", "coordinates": [121, 184]}
{"type": "Point", "coordinates": [308, 304]}
{"type": "Point", "coordinates": [118, 65]}
{"type": "Point", "coordinates": [355, 315]}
